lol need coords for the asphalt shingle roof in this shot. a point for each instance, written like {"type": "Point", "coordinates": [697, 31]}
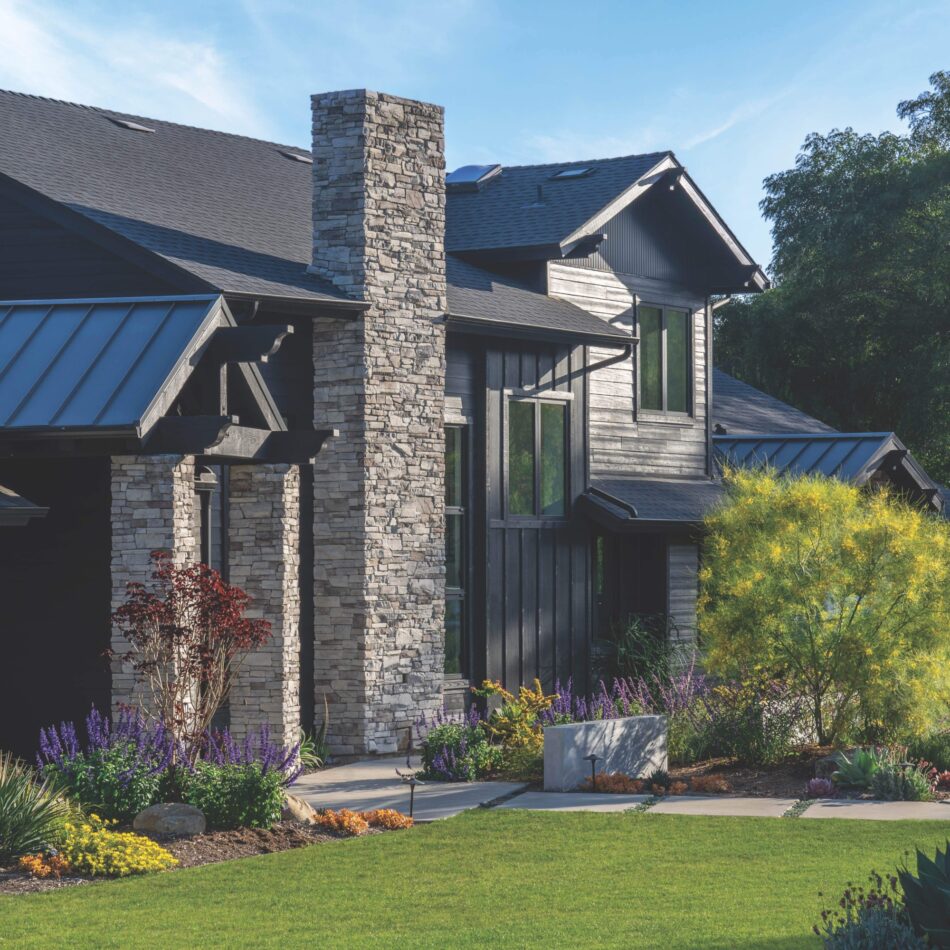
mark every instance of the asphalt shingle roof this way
{"type": "Point", "coordinates": [506, 212]}
{"type": "Point", "coordinates": [474, 292]}
{"type": "Point", "coordinates": [664, 499]}
{"type": "Point", "coordinates": [235, 211]}
{"type": "Point", "coordinates": [742, 408]}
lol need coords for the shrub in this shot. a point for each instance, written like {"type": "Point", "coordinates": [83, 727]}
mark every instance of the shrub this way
{"type": "Point", "coordinates": [678, 788]}
{"type": "Point", "coordinates": [457, 750]}
{"type": "Point", "coordinates": [642, 645]}
{"type": "Point", "coordinates": [91, 847]}
{"type": "Point", "coordinates": [387, 818]}
{"type": "Point", "coordinates": [927, 896]}
{"type": "Point", "coordinates": [867, 919]}
{"type": "Point", "coordinates": [902, 782]}
{"type": "Point", "coordinates": [614, 783]}
{"type": "Point", "coordinates": [517, 724]}
{"type": "Point", "coordinates": [118, 772]}
{"type": "Point", "coordinates": [933, 748]}
{"type": "Point", "coordinates": [858, 770]}
{"type": "Point", "coordinates": [715, 784]}
{"type": "Point", "coordinates": [942, 781]}
{"type": "Point", "coordinates": [820, 788]}
{"type": "Point", "coordinates": [32, 810]}
{"type": "Point", "coordinates": [613, 703]}
{"type": "Point", "coordinates": [843, 594]}
{"type": "Point", "coordinates": [235, 796]}
{"type": "Point", "coordinates": [188, 637]}
{"type": "Point", "coordinates": [756, 721]}
{"type": "Point", "coordinates": [343, 821]}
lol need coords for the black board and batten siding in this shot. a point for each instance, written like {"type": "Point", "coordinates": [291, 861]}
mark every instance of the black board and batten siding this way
{"type": "Point", "coordinates": [537, 600]}
{"type": "Point", "coordinates": [531, 589]}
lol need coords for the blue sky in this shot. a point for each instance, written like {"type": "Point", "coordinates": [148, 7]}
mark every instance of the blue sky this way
{"type": "Point", "coordinates": [731, 86]}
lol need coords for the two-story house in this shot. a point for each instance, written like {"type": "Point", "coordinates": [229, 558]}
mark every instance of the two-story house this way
{"type": "Point", "coordinates": [442, 428]}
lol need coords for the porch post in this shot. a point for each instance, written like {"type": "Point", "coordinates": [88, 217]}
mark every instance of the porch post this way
{"type": "Point", "coordinates": [264, 559]}
{"type": "Point", "coordinates": [153, 508]}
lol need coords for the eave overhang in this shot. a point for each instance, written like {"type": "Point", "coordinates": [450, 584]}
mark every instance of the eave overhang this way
{"type": "Point", "coordinates": [481, 326]}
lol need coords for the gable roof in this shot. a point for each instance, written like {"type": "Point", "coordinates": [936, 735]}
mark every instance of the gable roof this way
{"type": "Point", "coordinates": [15, 510]}
{"type": "Point", "coordinates": [739, 408]}
{"type": "Point", "coordinates": [101, 365]}
{"type": "Point", "coordinates": [507, 213]}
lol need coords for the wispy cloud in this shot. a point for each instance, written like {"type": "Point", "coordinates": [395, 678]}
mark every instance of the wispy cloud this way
{"type": "Point", "coordinates": [133, 64]}
{"type": "Point", "coordinates": [741, 113]}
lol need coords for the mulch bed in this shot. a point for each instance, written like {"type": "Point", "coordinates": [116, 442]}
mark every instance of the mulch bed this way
{"type": "Point", "coordinates": [195, 850]}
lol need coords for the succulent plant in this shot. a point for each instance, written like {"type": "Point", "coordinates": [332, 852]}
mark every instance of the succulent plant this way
{"type": "Point", "coordinates": [858, 770]}
{"type": "Point", "coordinates": [927, 896]}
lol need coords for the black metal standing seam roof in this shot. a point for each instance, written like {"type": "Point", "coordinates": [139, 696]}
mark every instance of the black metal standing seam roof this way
{"type": "Point", "coordinates": [848, 456]}
{"type": "Point", "coordinates": [97, 364]}
{"type": "Point", "coordinates": [659, 499]}
{"type": "Point", "coordinates": [741, 408]}
{"type": "Point", "coordinates": [501, 302]}
{"type": "Point", "coordinates": [508, 211]}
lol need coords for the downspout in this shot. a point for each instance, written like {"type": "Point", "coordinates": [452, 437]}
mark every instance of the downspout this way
{"type": "Point", "coordinates": [711, 308]}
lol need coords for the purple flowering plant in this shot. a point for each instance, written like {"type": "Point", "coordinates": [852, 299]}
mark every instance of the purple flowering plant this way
{"type": "Point", "coordinates": [456, 748]}
{"type": "Point", "coordinates": [117, 770]}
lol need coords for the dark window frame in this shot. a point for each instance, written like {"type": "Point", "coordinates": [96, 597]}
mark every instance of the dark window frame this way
{"type": "Point", "coordinates": [463, 594]}
{"type": "Point", "coordinates": [664, 412]}
{"type": "Point", "coordinates": [552, 397]}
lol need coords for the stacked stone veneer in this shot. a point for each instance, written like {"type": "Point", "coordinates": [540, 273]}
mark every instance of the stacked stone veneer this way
{"type": "Point", "coordinates": [379, 222]}
{"type": "Point", "coordinates": [264, 559]}
{"type": "Point", "coordinates": [153, 508]}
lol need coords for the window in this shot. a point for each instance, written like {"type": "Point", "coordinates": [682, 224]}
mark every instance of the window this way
{"type": "Point", "coordinates": [456, 534]}
{"type": "Point", "coordinates": [537, 458]}
{"type": "Point", "coordinates": [665, 359]}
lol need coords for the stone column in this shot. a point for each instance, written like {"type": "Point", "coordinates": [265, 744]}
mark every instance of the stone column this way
{"type": "Point", "coordinates": [378, 233]}
{"type": "Point", "coordinates": [153, 508]}
{"type": "Point", "coordinates": [264, 559]}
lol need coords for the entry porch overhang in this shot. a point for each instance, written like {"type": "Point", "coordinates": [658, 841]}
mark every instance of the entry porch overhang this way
{"type": "Point", "coordinates": [141, 376]}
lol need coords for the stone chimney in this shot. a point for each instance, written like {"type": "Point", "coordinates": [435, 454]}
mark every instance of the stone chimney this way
{"type": "Point", "coordinates": [379, 562]}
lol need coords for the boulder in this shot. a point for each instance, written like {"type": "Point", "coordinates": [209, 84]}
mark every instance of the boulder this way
{"type": "Point", "coordinates": [172, 818]}
{"type": "Point", "coordinates": [296, 809]}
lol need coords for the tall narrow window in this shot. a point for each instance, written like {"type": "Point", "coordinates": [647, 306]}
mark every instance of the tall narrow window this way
{"type": "Point", "coordinates": [665, 359]}
{"type": "Point", "coordinates": [537, 458]}
{"type": "Point", "coordinates": [456, 532]}
{"type": "Point", "coordinates": [521, 457]}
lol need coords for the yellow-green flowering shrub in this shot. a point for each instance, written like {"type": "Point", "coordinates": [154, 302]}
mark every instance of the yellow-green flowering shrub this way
{"type": "Point", "coordinates": [842, 593]}
{"type": "Point", "coordinates": [91, 847]}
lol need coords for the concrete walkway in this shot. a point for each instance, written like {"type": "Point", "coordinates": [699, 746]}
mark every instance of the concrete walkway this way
{"type": "Point", "coordinates": [574, 801]}
{"type": "Point", "coordinates": [878, 811]}
{"type": "Point", "coordinates": [734, 805]}
{"type": "Point", "coordinates": [373, 783]}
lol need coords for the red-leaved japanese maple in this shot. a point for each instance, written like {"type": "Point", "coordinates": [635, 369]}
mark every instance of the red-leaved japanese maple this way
{"type": "Point", "coordinates": [188, 634]}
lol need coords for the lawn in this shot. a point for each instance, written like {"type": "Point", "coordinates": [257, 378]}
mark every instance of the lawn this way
{"type": "Point", "coordinates": [513, 879]}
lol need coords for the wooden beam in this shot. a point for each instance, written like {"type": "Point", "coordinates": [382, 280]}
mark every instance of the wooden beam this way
{"type": "Point", "coordinates": [248, 344]}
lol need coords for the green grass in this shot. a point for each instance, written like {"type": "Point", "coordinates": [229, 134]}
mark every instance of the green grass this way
{"type": "Point", "coordinates": [512, 879]}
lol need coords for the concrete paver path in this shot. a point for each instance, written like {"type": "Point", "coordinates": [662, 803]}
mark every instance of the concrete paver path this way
{"type": "Point", "coordinates": [573, 801]}
{"type": "Point", "coordinates": [373, 783]}
{"type": "Point", "coordinates": [878, 811]}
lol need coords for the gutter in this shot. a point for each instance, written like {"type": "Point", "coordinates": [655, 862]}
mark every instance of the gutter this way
{"type": "Point", "coordinates": [484, 327]}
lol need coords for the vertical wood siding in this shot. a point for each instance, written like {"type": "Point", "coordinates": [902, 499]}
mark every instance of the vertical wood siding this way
{"type": "Point", "coordinates": [620, 443]}
{"type": "Point", "coordinates": [535, 573]}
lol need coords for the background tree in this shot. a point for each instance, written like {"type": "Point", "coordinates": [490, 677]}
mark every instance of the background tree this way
{"type": "Point", "coordinates": [857, 328]}
{"type": "Point", "coordinates": [842, 594]}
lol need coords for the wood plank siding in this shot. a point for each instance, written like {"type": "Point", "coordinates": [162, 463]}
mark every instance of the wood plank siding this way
{"type": "Point", "coordinates": [682, 586]}
{"type": "Point", "coordinates": [624, 440]}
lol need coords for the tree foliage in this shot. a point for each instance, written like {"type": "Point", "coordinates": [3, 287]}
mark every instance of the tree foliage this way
{"type": "Point", "coordinates": [857, 328]}
{"type": "Point", "coordinates": [844, 595]}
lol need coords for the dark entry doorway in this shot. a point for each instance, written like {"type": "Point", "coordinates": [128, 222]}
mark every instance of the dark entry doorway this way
{"type": "Point", "coordinates": [55, 599]}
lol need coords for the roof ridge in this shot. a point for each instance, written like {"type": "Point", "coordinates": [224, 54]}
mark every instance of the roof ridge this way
{"type": "Point", "coordinates": [104, 110]}
{"type": "Point", "coordinates": [589, 161]}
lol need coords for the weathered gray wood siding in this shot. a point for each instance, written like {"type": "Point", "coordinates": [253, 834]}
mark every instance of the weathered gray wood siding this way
{"type": "Point", "coordinates": [460, 382]}
{"type": "Point", "coordinates": [624, 440]}
{"type": "Point", "coordinates": [683, 587]}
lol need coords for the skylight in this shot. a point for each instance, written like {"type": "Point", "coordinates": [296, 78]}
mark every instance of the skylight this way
{"type": "Point", "coordinates": [471, 177]}
{"type": "Point", "coordinates": [297, 157]}
{"type": "Point", "coordinates": [572, 173]}
{"type": "Point", "coordinates": [129, 124]}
